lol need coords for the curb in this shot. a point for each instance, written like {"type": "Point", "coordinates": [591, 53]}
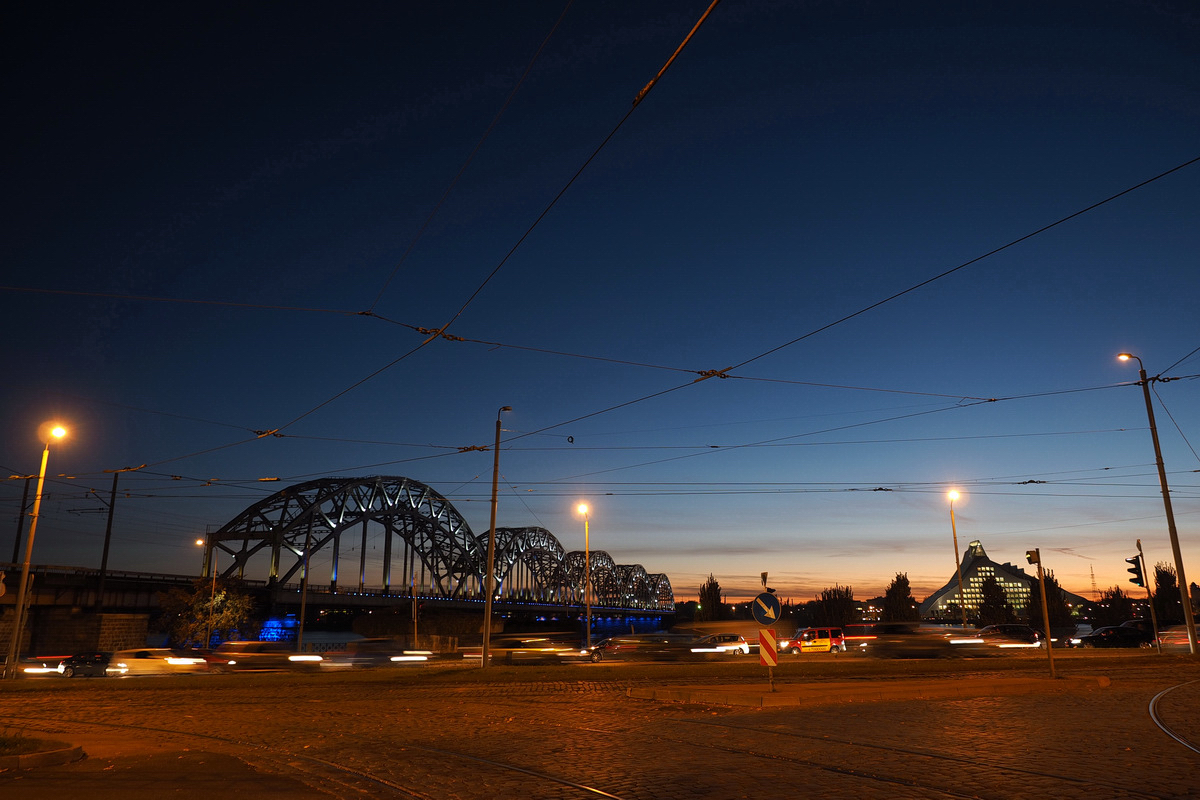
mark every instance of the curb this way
{"type": "Point", "coordinates": [45, 758]}
{"type": "Point", "coordinates": [829, 693]}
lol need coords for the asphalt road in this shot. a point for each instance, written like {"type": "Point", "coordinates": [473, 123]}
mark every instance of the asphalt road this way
{"type": "Point", "coordinates": [574, 732]}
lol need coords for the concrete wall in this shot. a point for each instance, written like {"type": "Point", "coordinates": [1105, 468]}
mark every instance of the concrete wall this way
{"type": "Point", "coordinates": [62, 631]}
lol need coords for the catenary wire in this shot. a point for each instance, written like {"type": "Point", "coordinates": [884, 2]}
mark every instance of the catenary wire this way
{"type": "Point", "coordinates": [1176, 424]}
{"type": "Point", "coordinates": [511, 251]}
{"type": "Point", "coordinates": [1180, 361]}
{"type": "Point", "coordinates": [963, 265]}
{"type": "Point", "coordinates": [454, 182]}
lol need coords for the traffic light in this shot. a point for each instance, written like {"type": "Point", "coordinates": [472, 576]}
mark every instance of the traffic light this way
{"type": "Point", "coordinates": [1135, 571]}
{"type": "Point", "coordinates": [1032, 556]}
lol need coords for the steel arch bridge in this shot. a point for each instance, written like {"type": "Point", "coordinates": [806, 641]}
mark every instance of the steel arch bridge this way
{"type": "Point", "coordinates": [427, 540]}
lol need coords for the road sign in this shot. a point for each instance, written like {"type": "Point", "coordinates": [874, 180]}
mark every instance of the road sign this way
{"type": "Point", "coordinates": [768, 653]}
{"type": "Point", "coordinates": [766, 609]}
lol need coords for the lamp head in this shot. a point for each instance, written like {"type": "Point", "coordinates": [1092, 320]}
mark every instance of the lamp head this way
{"type": "Point", "coordinates": [583, 509]}
{"type": "Point", "coordinates": [506, 408]}
{"type": "Point", "coordinates": [200, 542]}
{"type": "Point", "coordinates": [953, 495]}
{"type": "Point", "coordinates": [1127, 356]}
{"type": "Point", "coordinates": [50, 431]}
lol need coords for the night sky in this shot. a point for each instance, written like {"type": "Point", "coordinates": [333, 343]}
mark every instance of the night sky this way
{"type": "Point", "coordinates": [229, 219]}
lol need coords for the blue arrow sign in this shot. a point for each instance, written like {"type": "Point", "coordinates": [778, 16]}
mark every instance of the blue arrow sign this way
{"type": "Point", "coordinates": [766, 609]}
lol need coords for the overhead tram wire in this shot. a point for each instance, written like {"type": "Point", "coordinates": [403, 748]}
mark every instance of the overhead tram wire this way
{"type": "Point", "coordinates": [1174, 422]}
{"type": "Point", "coordinates": [184, 300]}
{"type": "Point", "coordinates": [961, 266]}
{"type": "Point", "coordinates": [1180, 361]}
{"type": "Point", "coordinates": [521, 240]}
{"type": "Point", "coordinates": [724, 373]}
{"type": "Point", "coordinates": [454, 182]}
{"type": "Point", "coordinates": [713, 449]}
{"type": "Point", "coordinates": [664, 367]}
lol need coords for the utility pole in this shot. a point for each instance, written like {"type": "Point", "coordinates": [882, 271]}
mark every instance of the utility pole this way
{"type": "Point", "coordinates": [1149, 596]}
{"type": "Point", "coordinates": [1144, 382]}
{"type": "Point", "coordinates": [21, 519]}
{"type": "Point", "coordinates": [112, 504]}
{"type": "Point", "coordinates": [1035, 557]}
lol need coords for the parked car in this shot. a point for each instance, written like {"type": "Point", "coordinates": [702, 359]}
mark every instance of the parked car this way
{"type": "Point", "coordinates": [1116, 636]}
{"type": "Point", "coordinates": [244, 656]}
{"type": "Point", "coordinates": [722, 643]}
{"type": "Point", "coordinates": [155, 661]}
{"type": "Point", "coordinates": [85, 665]}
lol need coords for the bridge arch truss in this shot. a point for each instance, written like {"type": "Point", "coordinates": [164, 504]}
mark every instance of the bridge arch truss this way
{"type": "Point", "coordinates": [426, 544]}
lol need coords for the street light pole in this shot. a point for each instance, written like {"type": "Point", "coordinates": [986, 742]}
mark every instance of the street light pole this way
{"type": "Point", "coordinates": [491, 551]}
{"type": "Point", "coordinates": [1184, 593]}
{"type": "Point", "coordinates": [962, 597]}
{"type": "Point", "coordinates": [210, 562]}
{"type": "Point", "coordinates": [587, 576]}
{"type": "Point", "coordinates": [14, 642]}
{"type": "Point", "coordinates": [1035, 556]}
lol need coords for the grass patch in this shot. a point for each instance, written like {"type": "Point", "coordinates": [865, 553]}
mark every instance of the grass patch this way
{"type": "Point", "coordinates": [16, 744]}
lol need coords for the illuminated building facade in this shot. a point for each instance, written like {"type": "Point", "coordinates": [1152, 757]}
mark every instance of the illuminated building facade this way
{"type": "Point", "coordinates": [977, 568]}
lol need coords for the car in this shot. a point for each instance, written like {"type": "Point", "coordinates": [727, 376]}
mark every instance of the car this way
{"type": "Point", "coordinates": [994, 640]}
{"type": "Point", "coordinates": [244, 656]}
{"type": "Point", "coordinates": [366, 653]}
{"type": "Point", "coordinates": [155, 661]}
{"type": "Point", "coordinates": [539, 648]}
{"type": "Point", "coordinates": [857, 636]}
{"type": "Point", "coordinates": [1116, 636]}
{"type": "Point", "coordinates": [907, 640]}
{"type": "Point", "coordinates": [85, 665]}
{"type": "Point", "coordinates": [1174, 637]}
{"type": "Point", "coordinates": [1021, 633]}
{"type": "Point", "coordinates": [722, 643]}
{"type": "Point", "coordinates": [643, 647]}
{"type": "Point", "coordinates": [821, 640]}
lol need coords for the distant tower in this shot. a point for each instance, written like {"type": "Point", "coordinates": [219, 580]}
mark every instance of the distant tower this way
{"type": "Point", "coordinates": [1095, 592]}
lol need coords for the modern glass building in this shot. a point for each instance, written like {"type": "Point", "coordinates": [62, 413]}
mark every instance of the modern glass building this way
{"type": "Point", "coordinates": [976, 568]}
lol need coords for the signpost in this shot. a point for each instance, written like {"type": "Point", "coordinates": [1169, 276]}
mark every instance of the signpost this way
{"type": "Point", "coordinates": [766, 609]}
{"type": "Point", "coordinates": [768, 654]}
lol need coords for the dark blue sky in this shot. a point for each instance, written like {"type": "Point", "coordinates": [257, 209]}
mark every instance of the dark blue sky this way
{"type": "Point", "coordinates": [799, 162]}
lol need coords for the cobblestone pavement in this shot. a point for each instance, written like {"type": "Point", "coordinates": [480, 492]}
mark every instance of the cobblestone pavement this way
{"type": "Point", "coordinates": [374, 736]}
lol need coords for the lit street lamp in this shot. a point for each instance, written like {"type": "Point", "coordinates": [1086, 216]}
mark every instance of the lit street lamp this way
{"type": "Point", "coordinates": [962, 597]}
{"type": "Point", "coordinates": [1188, 618]}
{"type": "Point", "coordinates": [587, 575]}
{"type": "Point", "coordinates": [14, 643]}
{"type": "Point", "coordinates": [489, 589]}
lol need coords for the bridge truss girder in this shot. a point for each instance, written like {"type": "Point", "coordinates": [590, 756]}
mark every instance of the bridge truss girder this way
{"type": "Point", "coordinates": [294, 524]}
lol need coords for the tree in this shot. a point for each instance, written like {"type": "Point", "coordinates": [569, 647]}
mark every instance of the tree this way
{"type": "Point", "coordinates": [898, 602]}
{"type": "Point", "coordinates": [1056, 603]}
{"type": "Point", "coordinates": [1168, 602]}
{"type": "Point", "coordinates": [835, 606]}
{"type": "Point", "coordinates": [994, 608]}
{"type": "Point", "coordinates": [712, 605]}
{"type": "Point", "coordinates": [1114, 608]}
{"type": "Point", "coordinates": [222, 607]}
